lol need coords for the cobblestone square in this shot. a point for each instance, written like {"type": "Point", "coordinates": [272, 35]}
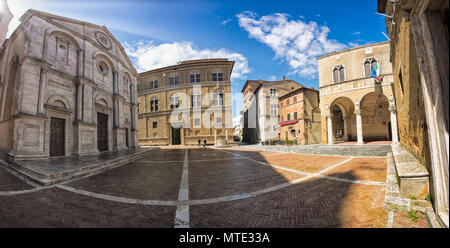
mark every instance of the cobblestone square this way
{"type": "Point", "coordinates": [227, 187]}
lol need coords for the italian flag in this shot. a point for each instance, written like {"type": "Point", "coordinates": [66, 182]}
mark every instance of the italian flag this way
{"type": "Point", "coordinates": [376, 72]}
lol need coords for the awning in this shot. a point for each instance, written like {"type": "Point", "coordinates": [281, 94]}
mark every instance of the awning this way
{"type": "Point", "coordinates": [288, 123]}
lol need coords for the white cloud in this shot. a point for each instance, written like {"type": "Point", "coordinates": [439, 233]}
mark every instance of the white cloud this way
{"type": "Point", "coordinates": [225, 22]}
{"type": "Point", "coordinates": [148, 56]}
{"type": "Point", "coordinates": [357, 33]}
{"type": "Point", "coordinates": [294, 41]}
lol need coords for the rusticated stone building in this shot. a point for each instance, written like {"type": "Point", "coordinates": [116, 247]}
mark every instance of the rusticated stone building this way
{"type": "Point", "coordinates": [419, 35]}
{"type": "Point", "coordinates": [67, 88]}
{"type": "Point", "coordinates": [260, 112]}
{"type": "Point", "coordinates": [199, 90]}
{"type": "Point", "coordinates": [299, 116]}
{"type": "Point", "coordinates": [354, 105]}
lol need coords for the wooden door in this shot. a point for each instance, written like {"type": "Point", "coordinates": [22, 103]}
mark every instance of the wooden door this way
{"type": "Point", "coordinates": [127, 141]}
{"type": "Point", "coordinates": [57, 137]}
{"type": "Point", "coordinates": [176, 137]}
{"type": "Point", "coordinates": [102, 132]}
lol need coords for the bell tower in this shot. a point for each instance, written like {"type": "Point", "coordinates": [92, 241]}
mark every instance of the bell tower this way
{"type": "Point", "coordinates": [5, 19]}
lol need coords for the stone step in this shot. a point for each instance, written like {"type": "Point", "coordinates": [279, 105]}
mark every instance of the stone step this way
{"type": "Point", "coordinates": [413, 176]}
{"type": "Point", "coordinates": [49, 179]}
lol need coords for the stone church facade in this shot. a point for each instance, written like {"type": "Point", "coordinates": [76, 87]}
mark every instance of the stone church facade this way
{"type": "Point", "coordinates": [67, 88]}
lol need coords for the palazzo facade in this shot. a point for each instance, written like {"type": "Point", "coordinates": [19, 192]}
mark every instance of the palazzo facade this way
{"type": "Point", "coordinates": [199, 90]}
{"type": "Point", "coordinates": [356, 106]}
{"type": "Point", "coordinates": [67, 87]}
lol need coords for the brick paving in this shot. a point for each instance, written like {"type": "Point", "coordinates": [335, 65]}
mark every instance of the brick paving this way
{"type": "Point", "coordinates": [367, 169]}
{"type": "Point", "coordinates": [150, 186]}
{"type": "Point", "coordinates": [9, 182]}
{"type": "Point", "coordinates": [58, 208]}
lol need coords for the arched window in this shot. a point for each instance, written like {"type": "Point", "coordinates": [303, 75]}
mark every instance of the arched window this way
{"type": "Point", "coordinates": [368, 65]}
{"type": "Point", "coordinates": [153, 104]}
{"type": "Point", "coordinates": [218, 98]}
{"type": "Point", "coordinates": [339, 74]}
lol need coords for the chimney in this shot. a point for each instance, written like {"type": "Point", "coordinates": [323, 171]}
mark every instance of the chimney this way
{"type": "Point", "coordinates": [283, 78]}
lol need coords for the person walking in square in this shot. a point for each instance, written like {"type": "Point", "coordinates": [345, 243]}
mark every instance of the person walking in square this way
{"type": "Point", "coordinates": [204, 143]}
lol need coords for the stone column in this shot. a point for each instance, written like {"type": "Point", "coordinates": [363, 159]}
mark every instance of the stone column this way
{"type": "Point", "coordinates": [359, 130]}
{"type": "Point", "coordinates": [79, 114]}
{"type": "Point", "coordinates": [394, 129]}
{"type": "Point", "coordinates": [345, 128]}
{"type": "Point", "coordinates": [80, 63]}
{"type": "Point", "coordinates": [330, 129]}
{"type": "Point", "coordinates": [42, 83]}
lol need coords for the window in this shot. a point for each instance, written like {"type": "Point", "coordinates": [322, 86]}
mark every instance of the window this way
{"type": "Point", "coordinates": [217, 76]}
{"type": "Point", "coordinates": [295, 115]}
{"type": "Point", "coordinates": [195, 78]}
{"type": "Point", "coordinates": [218, 99]}
{"type": "Point", "coordinates": [174, 102]}
{"type": "Point", "coordinates": [196, 100]}
{"type": "Point", "coordinates": [368, 65]}
{"type": "Point", "coordinates": [197, 122]}
{"type": "Point", "coordinates": [273, 110]}
{"type": "Point", "coordinates": [153, 84]}
{"type": "Point", "coordinates": [295, 99]}
{"type": "Point", "coordinates": [103, 68]}
{"type": "Point", "coordinates": [174, 80]}
{"type": "Point", "coordinates": [339, 74]}
{"type": "Point", "coordinates": [275, 128]}
{"type": "Point", "coordinates": [273, 92]}
{"type": "Point", "coordinates": [282, 118]}
{"type": "Point", "coordinates": [281, 104]}
{"type": "Point", "coordinates": [288, 102]}
{"type": "Point", "coordinates": [155, 124]}
{"type": "Point", "coordinates": [153, 104]}
{"type": "Point", "coordinates": [288, 117]}
{"type": "Point", "coordinates": [219, 120]}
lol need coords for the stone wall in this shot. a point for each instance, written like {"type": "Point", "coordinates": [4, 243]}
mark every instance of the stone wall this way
{"type": "Point", "coordinates": [412, 126]}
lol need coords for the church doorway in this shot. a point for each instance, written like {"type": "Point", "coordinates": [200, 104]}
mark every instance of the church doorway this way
{"type": "Point", "coordinates": [57, 137]}
{"type": "Point", "coordinates": [102, 132]}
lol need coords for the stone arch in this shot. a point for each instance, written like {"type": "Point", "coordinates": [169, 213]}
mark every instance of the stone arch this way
{"type": "Point", "coordinates": [375, 116]}
{"type": "Point", "coordinates": [12, 85]}
{"type": "Point", "coordinates": [61, 50]}
{"type": "Point", "coordinates": [59, 101]}
{"type": "Point", "coordinates": [54, 31]}
{"type": "Point", "coordinates": [102, 100]}
{"type": "Point", "coordinates": [342, 111]}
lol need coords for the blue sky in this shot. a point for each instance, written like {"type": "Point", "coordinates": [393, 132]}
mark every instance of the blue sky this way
{"type": "Point", "coordinates": [268, 39]}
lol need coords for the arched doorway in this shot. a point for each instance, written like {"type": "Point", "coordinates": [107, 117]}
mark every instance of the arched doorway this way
{"type": "Point", "coordinates": [343, 121]}
{"type": "Point", "coordinates": [375, 117]}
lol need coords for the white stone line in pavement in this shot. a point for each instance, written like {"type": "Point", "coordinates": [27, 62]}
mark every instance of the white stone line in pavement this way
{"type": "Point", "coordinates": [390, 220]}
{"type": "Point", "coordinates": [201, 160]}
{"type": "Point", "coordinates": [303, 153]}
{"type": "Point", "coordinates": [182, 213]}
{"type": "Point", "coordinates": [183, 203]}
{"type": "Point", "coordinates": [117, 198]}
{"type": "Point", "coordinates": [26, 191]}
{"type": "Point", "coordinates": [318, 174]}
